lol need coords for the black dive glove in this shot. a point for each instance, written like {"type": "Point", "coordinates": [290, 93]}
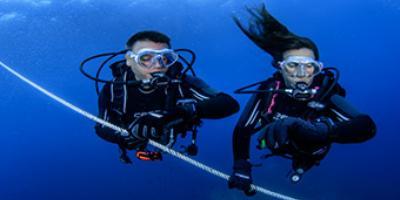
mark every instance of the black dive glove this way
{"type": "Point", "coordinates": [151, 125]}
{"type": "Point", "coordinates": [186, 108]}
{"type": "Point", "coordinates": [241, 177]}
{"type": "Point", "coordinates": [280, 133]}
{"type": "Point", "coordinates": [130, 142]}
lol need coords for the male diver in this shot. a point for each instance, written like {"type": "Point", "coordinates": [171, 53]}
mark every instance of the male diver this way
{"type": "Point", "coordinates": [164, 101]}
{"type": "Point", "coordinates": [299, 111]}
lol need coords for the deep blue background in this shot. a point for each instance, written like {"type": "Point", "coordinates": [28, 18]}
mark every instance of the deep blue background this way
{"type": "Point", "coordinates": [50, 152]}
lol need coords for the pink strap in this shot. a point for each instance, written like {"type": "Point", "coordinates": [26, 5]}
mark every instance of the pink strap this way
{"type": "Point", "coordinates": [269, 111]}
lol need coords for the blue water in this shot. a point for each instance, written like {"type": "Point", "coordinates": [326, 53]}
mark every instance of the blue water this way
{"type": "Point", "coordinates": [50, 152]}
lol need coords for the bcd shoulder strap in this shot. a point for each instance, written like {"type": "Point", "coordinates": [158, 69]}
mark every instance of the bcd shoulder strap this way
{"type": "Point", "coordinates": [118, 89]}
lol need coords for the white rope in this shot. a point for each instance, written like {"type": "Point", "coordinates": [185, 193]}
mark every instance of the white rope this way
{"type": "Point", "coordinates": [151, 142]}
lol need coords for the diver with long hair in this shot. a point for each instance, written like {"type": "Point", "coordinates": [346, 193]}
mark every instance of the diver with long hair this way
{"type": "Point", "coordinates": [299, 111]}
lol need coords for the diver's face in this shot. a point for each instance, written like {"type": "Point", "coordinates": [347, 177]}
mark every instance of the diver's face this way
{"type": "Point", "coordinates": [141, 72]}
{"type": "Point", "coordinates": [289, 73]}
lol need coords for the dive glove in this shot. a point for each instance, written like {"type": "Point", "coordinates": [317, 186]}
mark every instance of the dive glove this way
{"type": "Point", "coordinates": [154, 124]}
{"type": "Point", "coordinates": [186, 108]}
{"type": "Point", "coordinates": [149, 125]}
{"type": "Point", "coordinates": [281, 132]}
{"type": "Point", "coordinates": [241, 177]}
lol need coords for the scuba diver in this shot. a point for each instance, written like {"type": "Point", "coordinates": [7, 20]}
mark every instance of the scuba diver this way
{"type": "Point", "coordinates": [299, 111]}
{"type": "Point", "coordinates": [152, 97]}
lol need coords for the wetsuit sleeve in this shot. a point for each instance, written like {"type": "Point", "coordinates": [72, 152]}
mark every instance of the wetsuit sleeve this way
{"type": "Point", "coordinates": [349, 125]}
{"type": "Point", "coordinates": [249, 123]}
{"type": "Point", "coordinates": [107, 114]}
{"type": "Point", "coordinates": [211, 103]}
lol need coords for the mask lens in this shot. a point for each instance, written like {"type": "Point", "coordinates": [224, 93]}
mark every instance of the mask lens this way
{"type": "Point", "coordinates": [315, 66]}
{"type": "Point", "coordinates": [150, 58]}
{"type": "Point", "coordinates": [146, 58]}
{"type": "Point", "coordinates": [301, 67]}
{"type": "Point", "coordinates": [169, 58]}
{"type": "Point", "coordinates": [290, 67]}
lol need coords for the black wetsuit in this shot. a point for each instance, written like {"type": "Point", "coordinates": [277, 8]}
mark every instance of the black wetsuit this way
{"type": "Point", "coordinates": [348, 125]}
{"type": "Point", "coordinates": [209, 104]}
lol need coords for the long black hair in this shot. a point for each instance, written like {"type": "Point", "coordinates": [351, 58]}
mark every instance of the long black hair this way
{"type": "Point", "coordinates": [272, 36]}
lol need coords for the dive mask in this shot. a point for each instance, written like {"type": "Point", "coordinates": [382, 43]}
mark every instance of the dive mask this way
{"type": "Point", "coordinates": [300, 66]}
{"type": "Point", "coordinates": [149, 58]}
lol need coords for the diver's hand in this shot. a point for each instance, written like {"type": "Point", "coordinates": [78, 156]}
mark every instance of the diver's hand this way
{"type": "Point", "coordinates": [152, 125]}
{"type": "Point", "coordinates": [279, 133]}
{"type": "Point", "coordinates": [132, 141]}
{"type": "Point", "coordinates": [241, 177]}
{"type": "Point", "coordinates": [186, 108]}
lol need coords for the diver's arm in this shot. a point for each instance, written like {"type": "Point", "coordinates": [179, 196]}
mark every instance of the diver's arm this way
{"type": "Point", "coordinates": [105, 113]}
{"type": "Point", "coordinates": [250, 122]}
{"type": "Point", "coordinates": [241, 176]}
{"type": "Point", "coordinates": [245, 127]}
{"type": "Point", "coordinates": [350, 125]}
{"type": "Point", "coordinates": [219, 106]}
{"type": "Point", "coordinates": [210, 103]}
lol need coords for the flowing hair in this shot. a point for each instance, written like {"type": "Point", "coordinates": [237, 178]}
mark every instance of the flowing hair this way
{"type": "Point", "coordinates": [272, 36]}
